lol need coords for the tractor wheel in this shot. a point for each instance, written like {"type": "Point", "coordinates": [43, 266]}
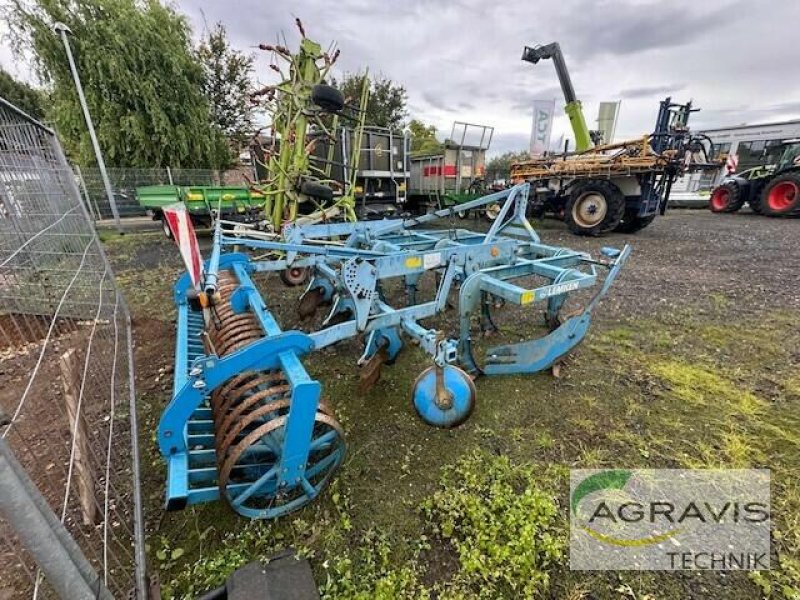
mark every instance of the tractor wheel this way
{"type": "Point", "coordinates": [316, 190]}
{"type": "Point", "coordinates": [755, 196]}
{"type": "Point", "coordinates": [327, 98]}
{"type": "Point", "coordinates": [492, 211]}
{"type": "Point", "coordinates": [594, 207]}
{"type": "Point", "coordinates": [726, 198]}
{"type": "Point", "coordinates": [781, 196]}
{"type": "Point", "coordinates": [632, 222]}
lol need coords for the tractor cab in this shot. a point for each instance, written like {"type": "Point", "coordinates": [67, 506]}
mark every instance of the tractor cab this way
{"type": "Point", "coordinates": [790, 157]}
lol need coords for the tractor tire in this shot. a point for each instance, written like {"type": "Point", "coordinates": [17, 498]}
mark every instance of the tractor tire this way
{"type": "Point", "coordinates": [755, 196]}
{"type": "Point", "coordinates": [492, 211]}
{"type": "Point", "coordinates": [726, 198]}
{"type": "Point", "coordinates": [316, 190]}
{"type": "Point", "coordinates": [327, 98]}
{"type": "Point", "coordinates": [781, 196]}
{"type": "Point", "coordinates": [632, 222]}
{"type": "Point", "coordinates": [594, 207]}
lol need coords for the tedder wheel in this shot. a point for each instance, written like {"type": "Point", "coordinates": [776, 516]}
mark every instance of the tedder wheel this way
{"type": "Point", "coordinates": [632, 222]}
{"type": "Point", "coordinates": [295, 276]}
{"type": "Point", "coordinates": [726, 198]}
{"type": "Point", "coordinates": [492, 211]}
{"type": "Point", "coordinates": [593, 207]}
{"type": "Point", "coordinates": [447, 402]}
{"type": "Point", "coordinates": [317, 190]}
{"type": "Point", "coordinates": [781, 196]}
{"type": "Point", "coordinates": [327, 98]}
{"type": "Point", "coordinates": [165, 227]}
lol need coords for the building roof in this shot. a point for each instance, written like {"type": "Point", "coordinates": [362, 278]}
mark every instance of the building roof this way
{"type": "Point", "coordinates": [754, 125]}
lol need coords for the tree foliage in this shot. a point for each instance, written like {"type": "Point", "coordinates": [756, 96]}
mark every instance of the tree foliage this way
{"type": "Point", "coordinates": [22, 95]}
{"type": "Point", "coordinates": [143, 82]}
{"type": "Point", "coordinates": [387, 101]}
{"type": "Point", "coordinates": [499, 167]}
{"type": "Point", "coordinates": [423, 138]}
{"type": "Point", "coordinates": [228, 83]}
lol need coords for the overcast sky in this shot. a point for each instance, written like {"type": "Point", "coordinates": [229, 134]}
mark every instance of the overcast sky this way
{"type": "Point", "coordinates": [460, 60]}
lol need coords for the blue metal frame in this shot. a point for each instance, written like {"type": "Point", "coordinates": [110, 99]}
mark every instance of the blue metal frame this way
{"type": "Point", "coordinates": [349, 263]}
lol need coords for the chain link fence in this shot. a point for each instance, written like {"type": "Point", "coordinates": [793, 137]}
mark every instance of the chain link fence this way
{"type": "Point", "coordinates": [124, 182]}
{"type": "Point", "coordinates": [67, 410]}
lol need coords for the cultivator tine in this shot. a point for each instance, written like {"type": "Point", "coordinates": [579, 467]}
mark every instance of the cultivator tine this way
{"type": "Point", "coordinates": [371, 370]}
{"type": "Point", "coordinates": [309, 302]}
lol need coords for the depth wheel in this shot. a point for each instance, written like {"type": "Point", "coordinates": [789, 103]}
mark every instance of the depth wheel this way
{"type": "Point", "coordinates": [294, 276]}
{"type": "Point", "coordinates": [446, 405]}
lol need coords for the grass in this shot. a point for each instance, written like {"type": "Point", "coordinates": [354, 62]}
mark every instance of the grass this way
{"type": "Point", "coordinates": [419, 512]}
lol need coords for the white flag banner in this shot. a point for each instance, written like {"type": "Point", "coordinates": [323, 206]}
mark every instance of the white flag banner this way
{"type": "Point", "coordinates": [543, 112]}
{"type": "Point", "coordinates": [607, 117]}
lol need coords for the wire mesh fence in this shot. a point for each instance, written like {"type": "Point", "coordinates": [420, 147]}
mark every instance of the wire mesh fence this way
{"type": "Point", "coordinates": [124, 182]}
{"type": "Point", "coordinates": [66, 368]}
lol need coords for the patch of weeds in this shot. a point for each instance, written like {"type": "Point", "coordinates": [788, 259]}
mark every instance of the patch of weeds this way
{"type": "Point", "coordinates": [503, 523]}
{"type": "Point", "coordinates": [700, 386]}
{"type": "Point", "coordinates": [783, 579]}
{"type": "Point", "coordinates": [719, 301]}
{"type": "Point", "coordinates": [792, 386]}
{"type": "Point", "coordinates": [369, 573]}
{"type": "Point", "coordinates": [544, 440]}
{"type": "Point", "coordinates": [255, 541]}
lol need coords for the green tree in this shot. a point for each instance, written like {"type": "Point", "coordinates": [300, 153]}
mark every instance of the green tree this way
{"type": "Point", "coordinates": [423, 138]}
{"type": "Point", "coordinates": [143, 82]}
{"type": "Point", "coordinates": [227, 86]}
{"type": "Point", "coordinates": [22, 95]}
{"type": "Point", "coordinates": [499, 167]}
{"type": "Point", "coordinates": [387, 101]}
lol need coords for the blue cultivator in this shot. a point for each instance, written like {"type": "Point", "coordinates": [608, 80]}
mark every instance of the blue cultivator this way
{"type": "Point", "coordinates": [246, 421]}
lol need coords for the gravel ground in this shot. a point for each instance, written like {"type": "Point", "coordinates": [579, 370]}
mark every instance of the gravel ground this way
{"type": "Point", "coordinates": [688, 270]}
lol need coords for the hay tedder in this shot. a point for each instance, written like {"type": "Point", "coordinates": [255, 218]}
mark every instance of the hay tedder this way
{"type": "Point", "coordinates": [247, 422]}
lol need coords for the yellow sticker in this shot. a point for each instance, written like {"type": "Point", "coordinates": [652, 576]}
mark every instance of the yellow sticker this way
{"type": "Point", "coordinates": [412, 262]}
{"type": "Point", "coordinates": [527, 297]}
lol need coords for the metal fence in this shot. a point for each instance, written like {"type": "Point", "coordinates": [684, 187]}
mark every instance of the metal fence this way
{"type": "Point", "coordinates": [67, 410]}
{"type": "Point", "coordinates": [124, 182]}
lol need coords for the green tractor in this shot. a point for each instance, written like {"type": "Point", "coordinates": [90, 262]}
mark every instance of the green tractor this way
{"type": "Point", "coordinates": [772, 190]}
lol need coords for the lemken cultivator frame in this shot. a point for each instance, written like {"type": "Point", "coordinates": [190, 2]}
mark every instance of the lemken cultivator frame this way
{"type": "Point", "coordinates": [246, 421]}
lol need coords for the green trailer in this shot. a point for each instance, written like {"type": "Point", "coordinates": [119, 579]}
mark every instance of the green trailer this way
{"type": "Point", "coordinates": [229, 202]}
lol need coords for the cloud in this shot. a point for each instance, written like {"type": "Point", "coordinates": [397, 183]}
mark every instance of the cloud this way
{"type": "Point", "coordinates": [621, 28]}
{"type": "Point", "coordinates": [461, 60]}
{"type": "Point", "coordinates": [649, 92]}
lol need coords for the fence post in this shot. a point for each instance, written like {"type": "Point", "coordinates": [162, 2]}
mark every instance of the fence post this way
{"type": "Point", "coordinates": [62, 31]}
{"type": "Point", "coordinates": [169, 176]}
{"type": "Point", "coordinates": [43, 535]}
{"type": "Point", "coordinates": [70, 379]}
